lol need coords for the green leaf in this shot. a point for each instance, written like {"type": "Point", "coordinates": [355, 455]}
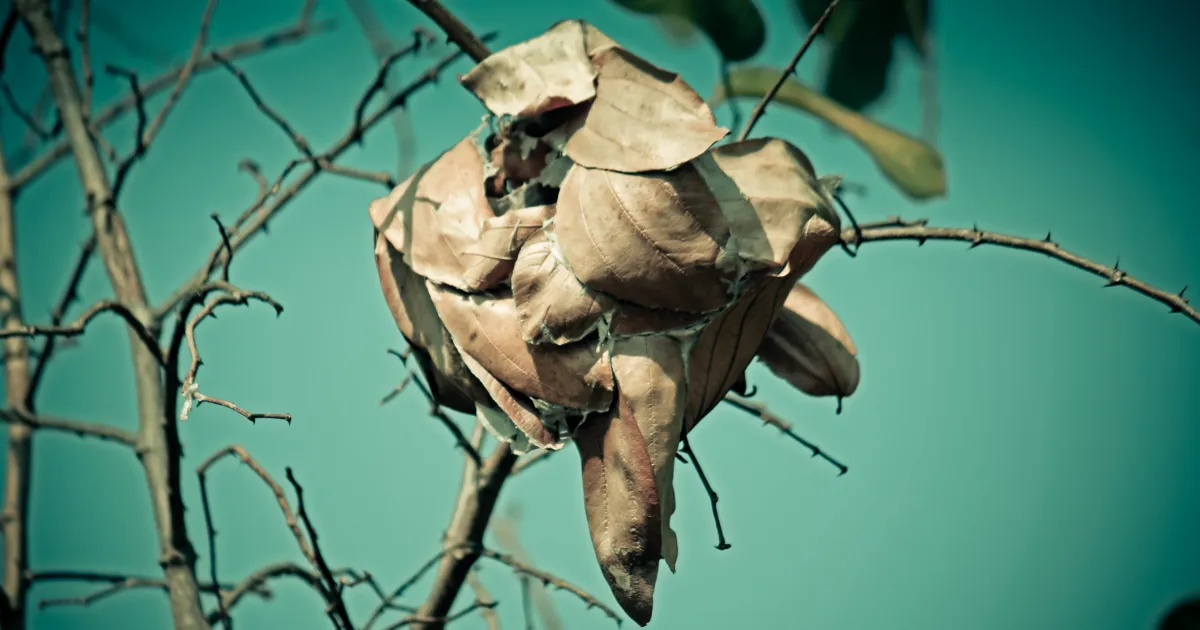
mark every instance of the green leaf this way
{"type": "Point", "coordinates": [915, 167]}
{"type": "Point", "coordinates": [736, 27]}
{"type": "Point", "coordinates": [862, 34]}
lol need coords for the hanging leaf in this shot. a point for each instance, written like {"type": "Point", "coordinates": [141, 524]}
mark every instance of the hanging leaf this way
{"type": "Point", "coordinates": [735, 27]}
{"type": "Point", "coordinates": [642, 119]}
{"type": "Point", "coordinates": [651, 390]}
{"type": "Point", "coordinates": [808, 347]}
{"type": "Point", "coordinates": [487, 329]}
{"type": "Point", "coordinates": [552, 303]}
{"type": "Point", "coordinates": [451, 383]}
{"type": "Point", "coordinates": [622, 507]}
{"type": "Point", "coordinates": [549, 71]}
{"type": "Point", "coordinates": [492, 256]}
{"type": "Point", "coordinates": [913, 166]}
{"type": "Point", "coordinates": [517, 421]}
{"type": "Point", "coordinates": [862, 34]}
{"type": "Point", "coordinates": [652, 240]}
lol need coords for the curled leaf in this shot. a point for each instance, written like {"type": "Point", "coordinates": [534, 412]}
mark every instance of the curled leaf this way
{"type": "Point", "coordinates": [914, 166]}
{"type": "Point", "coordinates": [623, 511]}
{"type": "Point", "coordinates": [487, 329]}
{"type": "Point", "coordinates": [491, 258]}
{"type": "Point", "coordinates": [436, 215]}
{"type": "Point", "coordinates": [450, 382]}
{"type": "Point", "coordinates": [552, 303]}
{"type": "Point", "coordinates": [517, 159]}
{"type": "Point", "coordinates": [652, 240]}
{"type": "Point", "coordinates": [808, 347]}
{"type": "Point", "coordinates": [549, 71]}
{"type": "Point", "coordinates": [516, 411]}
{"type": "Point", "coordinates": [726, 346]}
{"type": "Point", "coordinates": [768, 191]}
{"type": "Point", "coordinates": [643, 118]}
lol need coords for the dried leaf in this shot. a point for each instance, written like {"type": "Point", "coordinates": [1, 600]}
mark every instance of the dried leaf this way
{"type": "Point", "coordinates": [444, 204]}
{"type": "Point", "coordinates": [622, 507]}
{"type": "Point", "coordinates": [652, 240]}
{"type": "Point", "coordinates": [450, 382]}
{"type": "Point", "coordinates": [595, 41]}
{"type": "Point", "coordinates": [491, 258]}
{"type": "Point", "coordinates": [549, 71]}
{"type": "Point", "coordinates": [488, 330]}
{"type": "Point", "coordinates": [652, 391]}
{"type": "Point", "coordinates": [514, 406]}
{"type": "Point", "coordinates": [642, 119]}
{"type": "Point", "coordinates": [727, 345]}
{"type": "Point", "coordinates": [808, 347]}
{"type": "Point", "coordinates": [552, 303]}
{"type": "Point", "coordinates": [517, 158]}
{"type": "Point", "coordinates": [633, 319]}
{"type": "Point", "coordinates": [768, 192]}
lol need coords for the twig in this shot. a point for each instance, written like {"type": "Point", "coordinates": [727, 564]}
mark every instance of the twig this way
{"type": "Point", "coordinates": [919, 231]}
{"type": "Point", "coordinates": [333, 593]}
{"type": "Point", "coordinates": [233, 450]}
{"type": "Point", "coordinates": [300, 143]}
{"type": "Point", "coordinates": [256, 581]}
{"type": "Point", "coordinates": [455, 30]}
{"type": "Point", "coordinates": [712, 494]}
{"type": "Point", "coordinates": [420, 38]}
{"type": "Point", "coordinates": [548, 579]}
{"type": "Point", "coordinates": [206, 507]}
{"type": "Point", "coordinates": [233, 296]}
{"type": "Point", "coordinates": [435, 410]}
{"type": "Point", "coordinates": [485, 598]}
{"type": "Point", "coordinates": [761, 107]}
{"type": "Point", "coordinates": [64, 425]}
{"type": "Point", "coordinates": [77, 327]}
{"type": "Point", "coordinates": [289, 35]}
{"type": "Point", "coordinates": [85, 56]}
{"type": "Point", "coordinates": [33, 125]}
{"type": "Point", "coordinates": [388, 602]}
{"type": "Point", "coordinates": [441, 621]}
{"type": "Point", "coordinates": [139, 135]}
{"type": "Point", "coordinates": [258, 217]}
{"type": "Point", "coordinates": [117, 584]}
{"type": "Point", "coordinates": [530, 459]}
{"type": "Point", "coordinates": [762, 413]}
{"type": "Point", "coordinates": [185, 75]}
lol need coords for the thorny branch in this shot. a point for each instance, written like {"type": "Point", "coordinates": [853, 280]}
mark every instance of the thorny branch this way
{"type": "Point", "coordinates": [548, 579]}
{"type": "Point", "coordinates": [487, 602]}
{"type": "Point", "coordinates": [712, 494]}
{"type": "Point", "coordinates": [58, 314]}
{"type": "Point", "coordinates": [330, 587]}
{"type": "Point", "coordinates": [64, 425]}
{"type": "Point", "coordinates": [762, 413]}
{"type": "Point", "coordinates": [77, 327]}
{"type": "Point", "coordinates": [435, 410]}
{"type": "Point", "coordinates": [900, 230]}
{"type": "Point", "coordinates": [117, 583]}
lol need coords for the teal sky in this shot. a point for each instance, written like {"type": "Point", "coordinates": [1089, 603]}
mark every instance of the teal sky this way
{"type": "Point", "coordinates": [1022, 449]}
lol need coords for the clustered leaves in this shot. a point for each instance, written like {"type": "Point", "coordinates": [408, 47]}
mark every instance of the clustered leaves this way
{"type": "Point", "coordinates": [587, 266]}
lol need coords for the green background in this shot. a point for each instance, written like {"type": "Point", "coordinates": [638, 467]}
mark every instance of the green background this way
{"type": "Point", "coordinates": [1023, 448]}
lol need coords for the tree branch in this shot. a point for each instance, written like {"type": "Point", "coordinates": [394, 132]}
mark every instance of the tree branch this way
{"type": "Point", "coordinates": [185, 75]}
{"type": "Point", "coordinates": [302, 29]}
{"type": "Point", "coordinates": [58, 314]}
{"type": "Point", "coordinates": [139, 330]}
{"type": "Point", "coordinates": [712, 494]}
{"type": "Point", "coordinates": [256, 581]}
{"type": "Point", "coordinates": [83, 429]}
{"type": "Point", "coordinates": [333, 594]}
{"type": "Point", "coordinates": [900, 230]}
{"type": "Point", "coordinates": [486, 600]}
{"type": "Point", "coordinates": [761, 107]}
{"type": "Point", "coordinates": [548, 579]}
{"type": "Point", "coordinates": [455, 30]}
{"type": "Point", "coordinates": [768, 418]}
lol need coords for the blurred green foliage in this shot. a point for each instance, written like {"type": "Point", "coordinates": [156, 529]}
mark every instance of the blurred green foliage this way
{"type": "Point", "coordinates": [736, 27]}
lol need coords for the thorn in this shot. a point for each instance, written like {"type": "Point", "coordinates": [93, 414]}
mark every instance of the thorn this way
{"type": "Point", "coordinates": [724, 546]}
{"type": "Point", "coordinates": [1117, 266]}
{"type": "Point", "coordinates": [754, 388]}
{"type": "Point", "coordinates": [839, 406]}
{"type": "Point", "coordinates": [681, 458]}
{"type": "Point", "coordinates": [1181, 292]}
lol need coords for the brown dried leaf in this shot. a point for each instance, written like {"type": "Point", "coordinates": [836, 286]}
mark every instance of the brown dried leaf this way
{"type": "Point", "coordinates": [517, 160]}
{"type": "Point", "coordinates": [809, 347]}
{"type": "Point", "coordinates": [524, 424]}
{"type": "Point", "coordinates": [632, 319]}
{"type": "Point", "coordinates": [450, 382]}
{"type": "Point", "coordinates": [488, 330]}
{"type": "Point", "coordinates": [652, 240]}
{"type": "Point", "coordinates": [768, 192]}
{"type": "Point", "coordinates": [642, 119]}
{"type": "Point", "coordinates": [727, 345]}
{"type": "Point", "coordinates": [549, 71]}
{"type": "Point", "coordinates": [491, 258]}
{"type": "Point", "coordinates": [651, 390]}
{"type": "Point", "coordinates": [436, 214]}
{"type": "Point", "coordinates": [552, 303]}
{"type": "Point", "coordinates": [595, 41]}
{"type": "Point", "coordinates": [622, 507]}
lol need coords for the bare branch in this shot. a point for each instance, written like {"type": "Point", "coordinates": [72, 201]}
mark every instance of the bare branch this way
{"type": "Point", "coordinates": [256, 581]}
{"type": "Point", "coordinates": [712, 494]}
{"type": "Point", "coordinates": [85, 55]}
{"type": "Point", "coordinates": [258, 217]}
{"type": "Point", "coordinates": [63, 425]}
{"type": "Point", "coordinates": [763, 413]}
{"type": "Point", "coordinates": [389, 602]}
{"type": "Point", "coordinates": [549, 579]}
{"type": "Point", "coordinates": [117, 584]}
{"type": "Point", "coordinates": [139, 135]}
{"type": "Point", "coordinates": [289, 35]}
{"type": "Point", "coordinates": [77, 327]}
{"type": "Point", "coordinates": [332, 592]}
{"type": "Point", "coordinates": [27, 118]}
{"type": "Point", "coordinates": [530, 459]}
{"type": "Point", "coordinates": [455, 30]}
{"type": "Point", "coordinates": [920, 232]}
{"type": "Point", "coordinates": [185, 75]}
{"type": "Point", "coordinates": [442, 621]}
{"type": "Point", "coordinates": [421, 37]}
{"type": "Point", "coordinates": [206, 507]}
{"type": "Point", "coordinates": [761, 107]}
{"type": "Point", "coordinates": [241, 454]}
{"type": "Point", "coordinates": [297, 140]}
